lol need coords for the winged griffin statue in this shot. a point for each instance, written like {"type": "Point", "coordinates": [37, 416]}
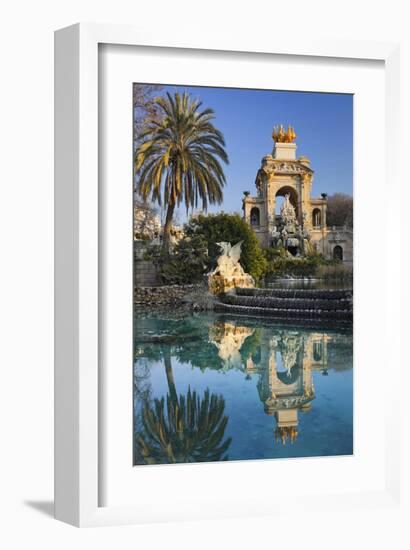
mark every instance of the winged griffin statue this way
{"type": "Point", "coordinates": [228, 273]}
{"type": "Point", "coordinates": [228, 261]}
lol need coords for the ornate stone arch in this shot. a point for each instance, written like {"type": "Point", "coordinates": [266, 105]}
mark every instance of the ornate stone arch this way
{"type": "Point", "coordinates": [293, 196]}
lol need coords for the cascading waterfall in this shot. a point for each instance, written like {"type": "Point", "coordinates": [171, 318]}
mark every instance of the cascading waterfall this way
{"type": "Point", "coordinates": [298, 304]}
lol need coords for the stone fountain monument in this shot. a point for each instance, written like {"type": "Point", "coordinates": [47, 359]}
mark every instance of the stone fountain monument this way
{"type": "Point", "coordinates": [229, 273]}
{"type": "Point", "coordinates": [289, 233]}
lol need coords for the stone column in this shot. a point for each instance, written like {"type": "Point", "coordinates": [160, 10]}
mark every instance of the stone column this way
{"type": "Point", "coordinates": [305, 181]}
{"type": "Point", "coordinates": [324, 213]}
{"type": "Point", "coordinates": [270, 204]}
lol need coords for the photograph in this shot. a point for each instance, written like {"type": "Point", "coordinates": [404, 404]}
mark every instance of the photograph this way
{"type": "Point", "coordinates": [242, 275]}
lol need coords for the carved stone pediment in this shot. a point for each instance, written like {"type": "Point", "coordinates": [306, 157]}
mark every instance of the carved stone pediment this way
{"type": "Point", "coordinates": [290, 167]}
{"type": "Point", "coordinates": [272, 166]}
{"type": "Point", "coordinates": [288, 402]}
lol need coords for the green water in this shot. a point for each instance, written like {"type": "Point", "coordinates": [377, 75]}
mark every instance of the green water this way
{"type": "Point", "coordinates": [210, 387]}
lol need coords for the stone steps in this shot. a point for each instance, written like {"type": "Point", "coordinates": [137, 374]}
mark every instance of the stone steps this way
{"type": "Point", "coordinates": [288, 304]}
{"type": "Point", "coordinates": [337, 304]}
{"type": "Point", "coordinates": [307, 293]}
{"type": "Point", "coordinates": [286, 314]}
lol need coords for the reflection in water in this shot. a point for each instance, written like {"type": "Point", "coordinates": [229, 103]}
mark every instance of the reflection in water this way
{"type": "Point", "coordinates": [226, 367]}
{"type": "Point", "coordinates": [285, 383]}
{"type": "Point", "coordinates": [187, 429]}
{"type": "Point", "coordinates": [229, 339]}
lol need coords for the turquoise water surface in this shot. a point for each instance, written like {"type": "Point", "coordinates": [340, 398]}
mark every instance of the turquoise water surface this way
{"type": "Point", "coordinates": [211, 387]}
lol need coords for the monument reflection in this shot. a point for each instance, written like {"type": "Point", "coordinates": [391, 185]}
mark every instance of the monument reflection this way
{"type": "Point", "coordinates": [284, 360]}
{"type": "Point", "coordinates": [245, 385]}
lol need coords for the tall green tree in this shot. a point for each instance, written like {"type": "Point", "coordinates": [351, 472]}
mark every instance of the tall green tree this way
{"type": "Point", "coordinates": [178, 158]}
{"type": "Point", "coordinates": [145, 107]}
{"type": "Point", "coordinates": [340, 210]}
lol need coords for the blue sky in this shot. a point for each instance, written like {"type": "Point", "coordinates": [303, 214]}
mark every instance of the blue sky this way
{"type": "Point", "coordinates": [323, 124]}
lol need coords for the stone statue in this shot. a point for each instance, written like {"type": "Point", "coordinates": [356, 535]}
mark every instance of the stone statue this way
{"type": "Point", "coordinates": [308, 247]}
{"type": "Point", "coordinates": [229, 273]}
{"type": "Point", "coordinates": [259, 183]}
{"type": "Point", "coordinates": [287, 211]}
{"type": "Point", "coordinates": [275, 236]}
{"type": "Point", "coordinates": [228, 262]}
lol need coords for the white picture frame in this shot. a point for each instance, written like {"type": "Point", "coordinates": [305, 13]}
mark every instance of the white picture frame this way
{"type": "Point", "coordinates": [77, 265]}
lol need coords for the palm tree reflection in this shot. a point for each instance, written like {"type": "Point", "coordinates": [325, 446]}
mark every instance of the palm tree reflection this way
{"type": "Point", "coordinates": [188, 428]}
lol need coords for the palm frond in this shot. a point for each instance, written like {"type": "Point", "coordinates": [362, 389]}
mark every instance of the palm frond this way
{"type": "Point", "coordinates": [179, 157]}
{"type": "Point", "coordinates": [187, 429]}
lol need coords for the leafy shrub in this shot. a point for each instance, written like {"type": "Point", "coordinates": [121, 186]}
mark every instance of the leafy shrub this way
{"type": "Point", "coordinates": [187, 263]}
{"type": "Point", "coordinates": [335, 271]}
{"type": "Point", "coordinates": [214, 228]}
{"type": "Point", "coordinates": [339, 210]}
{"type": "Point", "coordinates": [272, 253]}
{"type": "Point", "coordinates": [281, 263]}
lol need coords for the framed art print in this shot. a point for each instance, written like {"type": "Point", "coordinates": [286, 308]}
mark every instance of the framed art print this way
{"type": "Point", "coordinates": [243, 300]}
{"type": "Point", "coordinates": [215, 341]}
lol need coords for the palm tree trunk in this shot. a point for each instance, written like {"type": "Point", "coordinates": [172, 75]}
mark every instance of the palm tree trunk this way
{"type": "Point", "coordinates": [166, 239]}
{"type": "Point", "coordinates": [170, 376]}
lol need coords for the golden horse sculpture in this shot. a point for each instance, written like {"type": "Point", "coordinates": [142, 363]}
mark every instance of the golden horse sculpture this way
{"type": "Point", "coordinates": [280, 135]}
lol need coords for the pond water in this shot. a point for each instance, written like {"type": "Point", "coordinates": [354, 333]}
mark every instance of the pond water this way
{"type": "Point", "coordinates": [213, 387]}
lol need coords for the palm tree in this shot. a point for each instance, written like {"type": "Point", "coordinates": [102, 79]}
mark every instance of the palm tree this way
{"type": "Point", "coordinates": [178, 159]}
{"type": "Point", "coordinates": [182, 429]}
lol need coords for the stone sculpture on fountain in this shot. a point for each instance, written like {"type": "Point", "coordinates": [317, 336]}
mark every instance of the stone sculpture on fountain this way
{"type": "Point", "coordinates": [229, 273]}
{"type": "Point", "coordinates": [289, 233]}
